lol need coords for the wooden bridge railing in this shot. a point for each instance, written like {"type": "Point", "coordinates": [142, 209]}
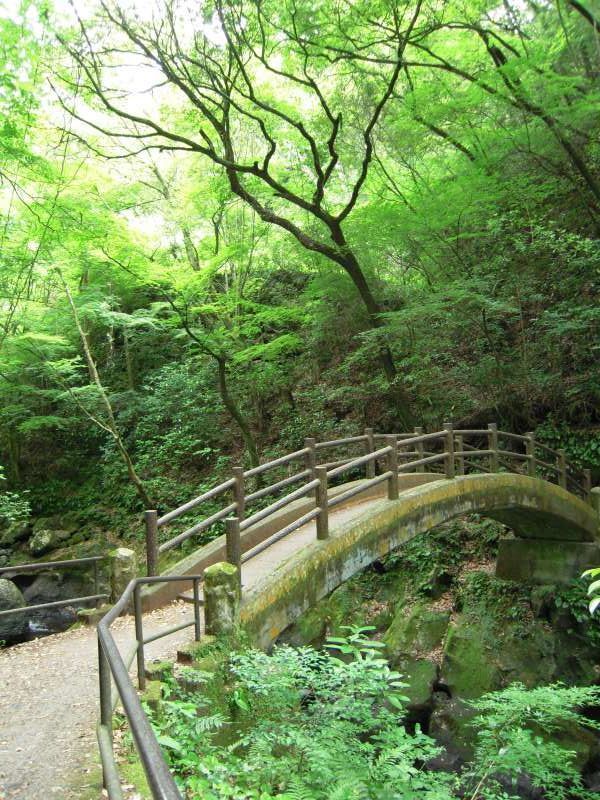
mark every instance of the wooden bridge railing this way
{"type": "Point", "coordinates": [450, 452]}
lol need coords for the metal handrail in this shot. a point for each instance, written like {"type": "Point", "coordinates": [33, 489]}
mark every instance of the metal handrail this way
{"type": "Point", "coordinates": [41, 565]}
{"type": "Point", "coordinates": [111, 666]}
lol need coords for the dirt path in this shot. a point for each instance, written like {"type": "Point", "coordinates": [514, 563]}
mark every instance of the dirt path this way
{"type": "Point", "coordinates": [49, 695]}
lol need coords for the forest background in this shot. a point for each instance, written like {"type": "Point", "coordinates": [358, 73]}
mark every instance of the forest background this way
{"type": "Point", "coordinates": [228, 226]}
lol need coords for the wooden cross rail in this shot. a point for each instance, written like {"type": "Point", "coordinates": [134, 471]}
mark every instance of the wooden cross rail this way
{"type": "Point", "coordinates": [383, 458]}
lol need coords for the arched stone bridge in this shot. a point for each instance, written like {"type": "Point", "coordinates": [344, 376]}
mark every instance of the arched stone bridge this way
{"type": "Point", "coordinates": [300, 547]}
{"type": "Point", "coordinates": [556, 538]}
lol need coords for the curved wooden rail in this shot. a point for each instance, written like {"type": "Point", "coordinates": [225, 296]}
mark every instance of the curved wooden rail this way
{"type": "Point", "coordinates": [450, 452]}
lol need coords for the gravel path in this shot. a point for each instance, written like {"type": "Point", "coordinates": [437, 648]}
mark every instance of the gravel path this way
{"type": "Point", "coordinates": [49, 690]}
{"type": "Point", "coordinates": [49, 705]}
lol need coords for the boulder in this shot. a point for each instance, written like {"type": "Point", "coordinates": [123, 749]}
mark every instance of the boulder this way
{"type": "Point", "coordinates": [56, 523]}
{"type": "Point", "coordinates": [45, 539]}
{"type": "Point", "coordinates": [415, 632]}
{"type": "Point", "coordinates": [14, 627]}
{"type": "Point", "coordinates": [450, 725]}
{"type": "Point", "coordinates": [46, 588]}
{"type": "Point", "coordinates": [123, 570]}
{"type": "Point", "coordinates": [421, 676]}
{"type": "Point", "coordinates": [14, 533]}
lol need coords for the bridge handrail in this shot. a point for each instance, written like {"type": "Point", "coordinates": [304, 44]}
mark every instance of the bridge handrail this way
{"type": "Point", "coordinates": [112, 666]}
{"type": "Point", "coordinates": [456, 456]}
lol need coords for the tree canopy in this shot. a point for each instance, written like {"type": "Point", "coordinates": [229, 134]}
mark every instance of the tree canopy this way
{"type": "Point", "coordinates": [229, 225]}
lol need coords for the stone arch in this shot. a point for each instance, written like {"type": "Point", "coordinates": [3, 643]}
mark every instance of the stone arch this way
{"type": "Point", "coordinates": [541, 514]}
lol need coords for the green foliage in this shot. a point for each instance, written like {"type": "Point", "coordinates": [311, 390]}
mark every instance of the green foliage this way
{"type": "Point", "coordinates": [593, 590]}
{"type": "Point", "coordinates": [14, 507]}
{"type": "Point", "coordinates": [301, 723]}
{"type": "Point", "coordinates": [582, 448]}
{"type": "Point", "coordinates": [513, 730]}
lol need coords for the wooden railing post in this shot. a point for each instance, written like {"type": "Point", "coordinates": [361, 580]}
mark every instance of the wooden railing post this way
{"type": "Point", "coordinates": [595, 500]}
{"type": "Point", "coordinates": [420, 449]}
{"type": "Point", "coordinates": [321, 495]}
{"type": "Point", "coordinates": [449, 465]}
{"type": "Point", "coordinates": [239, 492]}
{"type": "Point", "coordinates": [151, 518]}
{"type": "Point", "coordinates": [459, 459]}
{"type": "Point", "coordinates": [233, 544]}
{"type": "Point", "coordinates": [370, 447]}
{"type": "Point", "coordinates": [493, 446]}
{"type": "Point", "coordinates": [530, 451]}
{"type": "Point", "coordinates": [587, 483]}
{"type": "Point", "coordinates": [392, 465]}
{"type": "Point", "coordinates": [562, 468]}
{"type": "Point", "coordinates": [310, 460]}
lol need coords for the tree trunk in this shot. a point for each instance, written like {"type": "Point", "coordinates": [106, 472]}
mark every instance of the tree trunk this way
{"type": "Point", "coordinates": [350, 264]}
{"type": "Point", "coordinates": [236, 414]}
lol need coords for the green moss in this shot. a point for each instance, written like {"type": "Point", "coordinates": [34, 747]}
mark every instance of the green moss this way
{"type": "Point", "coordinates": [159, 670]}
{"type": "Point", "coordinates": [416, 630]}
{"type": "Point", "coordinates": [152, 695]}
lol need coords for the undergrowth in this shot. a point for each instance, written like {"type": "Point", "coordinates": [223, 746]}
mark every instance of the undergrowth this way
{"type": "Point", "coordinates": [304, 724]}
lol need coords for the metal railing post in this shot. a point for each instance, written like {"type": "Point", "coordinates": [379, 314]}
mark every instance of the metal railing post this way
{"type": "Point", "coordinates": [587, 483]}
{"type": "Point", "coordinates": [562, 469]}
{"type": "Point", "coordinates": [321, 495]}
{"type": "Point", "coordinates": [234, 545]}
{"type": "Point", "coordinates": [105, 690]}
{"type": "Point", "coordinates": [530, 452]}
{"type": "Point", "coordinates": [420, 449]}
{"type": "Point", "coordinates": [151, 518]}
{"type": "Point", "coordinates": [460, 459]}
{"type": "Point", "coordinates": [392, 465]}
{"type": "Point", "coordinates": [139, 635]}
{"type": "Point", "coordinates": [197, 632]}
{"type": "Point", "coordinates": [310, 461]}
{"type": "Point", "coordinates": [493, 446]}
{"type": "Point", "coordinates": [239, 492]}
{"type": "Point", "coordinates": [370, 466]}
{"type": "Point", "coordinates": [449, 465]}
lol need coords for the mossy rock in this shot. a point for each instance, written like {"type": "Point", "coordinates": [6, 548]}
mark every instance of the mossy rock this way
{"type": "Point", "coordinates": [191, 651]}
{"type": "Point", "coordinates": [468, 668]}
{"type": "Point", "coordinates": [415, 632]}
{"type": "Point", "coordinates": [208, 663]}
{"type": "Point", "coordinates": [92, 616]}
{"type": "Point", "coordinates": [158, 670]}
{"type": "Point", "coordinates": [191, 679]}
{"type": "Point", "coordinates": [152, 695]}
{"type": "Point", "coordinates": [479, 659]}
{"type": "Point", "coordinates": [450, 726]}
{"type": "Point", "coordinates": [421, 676]}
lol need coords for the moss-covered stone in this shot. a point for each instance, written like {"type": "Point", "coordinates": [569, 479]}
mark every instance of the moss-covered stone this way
{"type": "Point", "coordinates": [421, 676]}
{"type": "Point", "coordinates": [152, 695]}
{"type": "Point", "coordinates": [191, 679]}
{"type": "Point", "coordinates": [92, 616]}
{"type": "Point", "coordinates": [158, 670]}
{"type": "Point", "coordinates": [222, 598]}
{"type": "Point", "coordinates": [450, 725]}
{"type": "Point", "coordinates": [468, 668]}
{"type": "Point", "coordinates": [415, 631]}
{"type": "Point", "coordinates": [191, 651]}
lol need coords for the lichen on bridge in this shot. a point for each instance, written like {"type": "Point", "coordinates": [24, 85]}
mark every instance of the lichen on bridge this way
{"type": "Point", "coordinates": [539, 512]}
